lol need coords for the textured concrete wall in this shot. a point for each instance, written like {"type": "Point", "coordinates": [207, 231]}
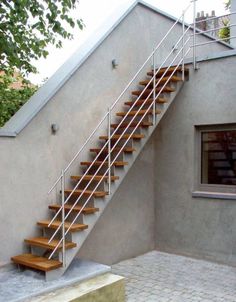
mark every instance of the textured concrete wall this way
{"type": "Point", "coordinates": [199, 227]}
{"type": "Point", "coordinates": [127, 226]}
{"type": "Point", "coordinates": [31, 162]}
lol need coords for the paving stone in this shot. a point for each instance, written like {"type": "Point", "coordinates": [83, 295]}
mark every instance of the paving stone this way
{"type": "Point", "coordinates": [162, 277]}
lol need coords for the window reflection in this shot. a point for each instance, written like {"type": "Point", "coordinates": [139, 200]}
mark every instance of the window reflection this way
{"type": "Point", "coordinates": [218, 159]}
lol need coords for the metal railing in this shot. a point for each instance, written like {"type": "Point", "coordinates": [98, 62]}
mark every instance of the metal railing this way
{"type": "Point", "coordinates": [175, 58]}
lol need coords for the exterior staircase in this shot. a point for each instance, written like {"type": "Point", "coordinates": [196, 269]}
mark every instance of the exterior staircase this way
{"type": "Point", "coordinates": [93, 190]}
{"type": "Point", "coordinates": [115, 153]}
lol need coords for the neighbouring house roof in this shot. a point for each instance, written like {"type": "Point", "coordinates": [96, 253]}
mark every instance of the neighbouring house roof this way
{"type": "Point", "coordinates": [17, 81]}
{"type": "Point", "coordinates": [49, 89]}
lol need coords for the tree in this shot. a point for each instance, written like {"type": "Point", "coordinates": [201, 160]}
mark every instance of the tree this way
{"type": "Point", "coordinates": [224, 32]}
{"type": "Point", "coordinates": [27, 27]}
{"type": "Point", "coordinates": [11, 97]}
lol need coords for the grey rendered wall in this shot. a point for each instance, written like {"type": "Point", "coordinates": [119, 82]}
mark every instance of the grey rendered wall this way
{"type": "Point", "coordinates": [127, 227]}
{"type": "Point", "coordinates": [200, 227]}
{"type": "Point", "coordinates": [31, 162]}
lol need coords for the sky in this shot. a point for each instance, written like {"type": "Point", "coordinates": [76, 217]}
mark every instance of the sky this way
{"type": "Point", "coordinates": [95, 12]}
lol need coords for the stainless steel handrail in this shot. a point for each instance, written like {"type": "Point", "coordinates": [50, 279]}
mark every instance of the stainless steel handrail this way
{"type": "Point", "coordinates": [213, 29]}
{"type": "Point", "coordinates": [107, 144]}
{"type": "Point", "coordinates": [214, 41]}
{"type": "Point", "coordinates": [101, 122]}
{"type": "Point", "coordinates": [76, 217]}
{"type": "Point", "coordinates": [114, 132]}
{"type": "Point", "coordinates": [75, 203]}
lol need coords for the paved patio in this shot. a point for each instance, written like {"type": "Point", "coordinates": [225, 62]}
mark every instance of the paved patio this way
{"type": "Point", "coordinates": [162, 277]}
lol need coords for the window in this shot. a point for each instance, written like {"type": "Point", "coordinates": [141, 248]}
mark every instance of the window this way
{"type": "Point", "coordinates": [216, 159]}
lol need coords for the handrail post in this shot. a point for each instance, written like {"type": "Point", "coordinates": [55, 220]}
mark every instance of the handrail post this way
{"type": "Point", "coordinates": [154, 87]}
{"type": "Point", "coordinates": [183, 36]}
{"type": "Point", "coordinates": [109, 150]}
{"type": "Point", "coordinates": [63, 216]}
{"type": "Point", "coordinates": [194, 35]}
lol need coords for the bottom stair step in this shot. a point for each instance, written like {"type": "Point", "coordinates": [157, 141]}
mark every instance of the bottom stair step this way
{"type": "Point", "coordinates": [43, 242]}
{"type": "Point", "coordinates": [37, 262]}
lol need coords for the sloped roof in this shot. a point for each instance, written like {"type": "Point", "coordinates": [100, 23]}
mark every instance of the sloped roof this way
{"type": "Point", "coordinates": [59, 78]}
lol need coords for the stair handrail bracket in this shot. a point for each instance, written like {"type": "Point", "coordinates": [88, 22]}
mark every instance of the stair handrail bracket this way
{"type": "Point", "coordinates": [174, 58]}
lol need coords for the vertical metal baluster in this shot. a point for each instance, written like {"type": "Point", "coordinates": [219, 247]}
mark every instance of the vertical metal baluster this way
{"type": "Point", "coordinates": [183, 29]}
{"type": "Point", "coordinates": [194, 34]}
{"type": "Point", "coordinates": [109, 150]}
{"type": "Point", "coordinates": [154, 87]}
{"type": "Point", "coordinates": [63, 216]}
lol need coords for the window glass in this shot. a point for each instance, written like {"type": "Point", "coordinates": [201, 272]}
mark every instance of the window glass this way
{"type": "Point", "coordinates": [218, 157]}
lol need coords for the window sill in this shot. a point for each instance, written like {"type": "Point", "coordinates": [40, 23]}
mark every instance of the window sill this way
{"type": "Point", "coordinates": [215, 195]}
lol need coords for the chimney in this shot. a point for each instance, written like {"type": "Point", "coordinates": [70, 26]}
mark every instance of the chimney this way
{"type": "Point", "coordinates": [233, 21]}
{"type": "Point", "coordinates": [201, 20]}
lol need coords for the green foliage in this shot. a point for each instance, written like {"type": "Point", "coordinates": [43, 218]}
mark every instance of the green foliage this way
{"type": "Point", "coordinates": [28, 26]}
{"type": "Point", "coordinates": [224, 32]}
{"type": "Point", "coordinates": [12, 99]}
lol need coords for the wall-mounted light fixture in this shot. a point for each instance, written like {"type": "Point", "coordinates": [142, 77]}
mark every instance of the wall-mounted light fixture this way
{"type": "Point", "coordinates": [54, 128]}
{"type": "Point", "coordinates": [114, 63]}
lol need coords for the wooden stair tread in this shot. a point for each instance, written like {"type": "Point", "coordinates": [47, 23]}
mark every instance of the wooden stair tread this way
{"type": "Point", "coordinates": [37, 262]}
{"type": "Point", "coordinates": [43, 242]}
{"type": "Point", "coordinates": [75, 227]}
{"type": "Point", "coordinates": [95, 178]}
{"type": "Point", "coordinates": [86, 210]}
{"type": "Point", "coordinates": [163, 80]}
{"type": "Point", "coordinates": [116, 149]}
{"type": "Point", "coordinates": [170, 70]}
{"type": "Point", "coordinates": [124, 136]}
{"type": "Point", "coordinates": [87, 192]}
{"type": "Point", "coordinates": [98, 162]}
{"type": "Point", "coordinates": [141, 112]}
{"type": "Point", "coordinates": [148, 91]}
{"type": "Point", "coordinates": [132, 125]}
{"type": "Point", "coordinates": [147, 102]}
